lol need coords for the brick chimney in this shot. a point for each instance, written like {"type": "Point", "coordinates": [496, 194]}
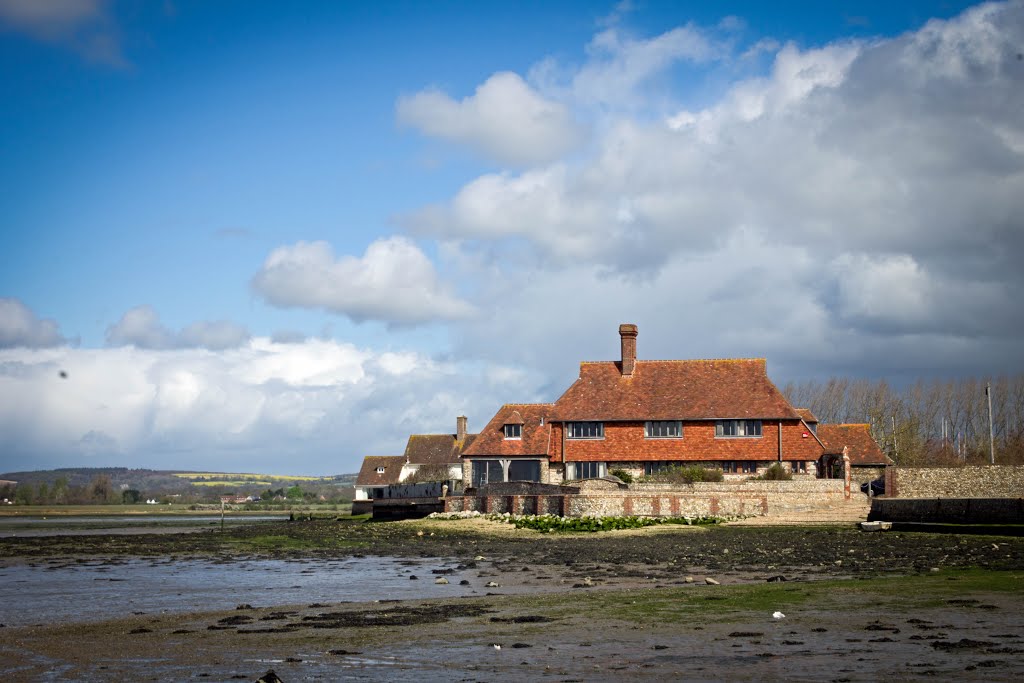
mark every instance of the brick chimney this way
{"type": "Point", "coordinates": [628, 335]}
{"type": "Point", "coordinates": [460, 428]}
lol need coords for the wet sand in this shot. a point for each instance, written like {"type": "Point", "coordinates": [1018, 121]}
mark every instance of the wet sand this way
{"type": "Point", "coordinates": [600, 607]}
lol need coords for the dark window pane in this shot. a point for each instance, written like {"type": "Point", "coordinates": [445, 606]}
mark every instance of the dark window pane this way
{"type": "Point", "coordinates": [524, 470]}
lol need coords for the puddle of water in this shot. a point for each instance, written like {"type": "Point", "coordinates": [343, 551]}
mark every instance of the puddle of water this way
{"type": "Point", "coordinates": [40, 594]}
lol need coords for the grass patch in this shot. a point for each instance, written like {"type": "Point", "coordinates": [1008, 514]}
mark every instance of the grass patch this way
{"type": "Point", "coordinates": [728, 603]}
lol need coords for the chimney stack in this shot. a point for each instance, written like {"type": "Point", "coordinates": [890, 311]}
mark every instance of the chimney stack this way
{"type": "Point", "coordinates": [628, 335]}
{"type": "Point", "coordinates": [460, 428]}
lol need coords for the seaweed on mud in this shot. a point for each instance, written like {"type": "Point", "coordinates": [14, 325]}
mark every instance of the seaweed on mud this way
{"type": "Point", "coordinates": [407, 616]}
{"type": "Point", "coordinates": [525, 619]}
{"type": "Point", "coordinates": [962, 644]}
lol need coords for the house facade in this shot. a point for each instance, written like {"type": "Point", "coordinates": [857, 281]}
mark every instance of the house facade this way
{"type": "Point", "coordinates": [645, 416]}
{"type": "Point", "coordinates": [434, 456]}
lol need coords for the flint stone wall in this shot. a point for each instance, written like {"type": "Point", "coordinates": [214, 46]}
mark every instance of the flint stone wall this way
{"type": "Point", "coordinates": [599, 498]}
{"type": "Point", "coordinates": [989, 481]}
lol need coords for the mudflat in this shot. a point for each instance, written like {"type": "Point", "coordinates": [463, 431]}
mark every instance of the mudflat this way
{"type": "Point", "coordinates": [610, 606]}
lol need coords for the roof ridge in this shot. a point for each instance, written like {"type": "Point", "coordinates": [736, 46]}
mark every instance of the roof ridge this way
{"type": "Point", "coordinates": [527, 404]}
{"type": "Point", "coordinates": [681, 360]}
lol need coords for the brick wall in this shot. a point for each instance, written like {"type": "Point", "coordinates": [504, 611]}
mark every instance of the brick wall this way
{"type": "Point", "coordinates": [626, 441]}
{"type": "Point", "coordinates": [990, 481]}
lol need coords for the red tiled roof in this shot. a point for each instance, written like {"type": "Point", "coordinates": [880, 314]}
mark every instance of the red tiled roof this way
{"type": "Point", "coordinates": [392, 465]}
{"type": "Point", "coordinates": [492, 441]}
{"type": "Point", "coordinates": [806, 415]}
{"type": "Point", "coordinates": [674, 390]}
{"type": "Point", "coordinates": [435, 449]}
{"type": "Point", "coordinates": [857, 437]}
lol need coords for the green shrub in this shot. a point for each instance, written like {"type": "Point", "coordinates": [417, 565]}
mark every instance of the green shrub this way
{"type": "Point", "coordinates": [776, 473]}
{"type": "Point", "coordinates": [624, 475]}
{"type": "Point", "coordinates": [678, 474]}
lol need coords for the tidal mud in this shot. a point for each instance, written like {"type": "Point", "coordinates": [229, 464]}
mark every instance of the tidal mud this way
{"type": "Point", "coordinates": [622, 605]}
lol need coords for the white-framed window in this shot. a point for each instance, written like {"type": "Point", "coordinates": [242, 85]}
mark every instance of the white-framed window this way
{"type": "Point", "coordinates": [513, 431]}
{"type": "Point", "coordinates": [663, 429]}
{"type": "Point", "coordinates": [585, 430]}
{"type": "Point", "coordinates": [587, 470]}
{"type": "Point", "coordinates": [738, 428]}
{"type": "Point", "coordinates": [380, 470]}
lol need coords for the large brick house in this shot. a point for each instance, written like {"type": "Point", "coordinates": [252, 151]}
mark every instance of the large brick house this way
{"type": "Point", "coordinates": [643, 416]}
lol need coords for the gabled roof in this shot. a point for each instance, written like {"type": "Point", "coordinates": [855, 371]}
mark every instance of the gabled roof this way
{"type": "Point", "coordinates": [535, 439]}
{"type": "Point", "coordinates": [435, 449]}
{"type": "Point", "coordinates": [392, 465]}
{"type": "Point", "coordinates": [674, 390]}
{"type": "Point", "coordinates": [863, 450]}
{"type": "Point", "coordinates": [806, 415]}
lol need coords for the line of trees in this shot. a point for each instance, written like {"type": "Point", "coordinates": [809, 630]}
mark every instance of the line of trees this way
{"type": "Point", "coordinates": [929, 422]}
{"type": "Point", "coordinates": [100, 491]}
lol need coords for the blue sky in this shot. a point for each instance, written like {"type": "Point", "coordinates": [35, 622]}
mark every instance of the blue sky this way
{"type": "Point", "coordinates": [255, 231]}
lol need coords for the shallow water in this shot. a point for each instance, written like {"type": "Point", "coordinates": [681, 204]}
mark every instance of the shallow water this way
{"type": "Point", "coordinates": [64, 591]}
{"type": "Point", "coordinates": [86, 525]}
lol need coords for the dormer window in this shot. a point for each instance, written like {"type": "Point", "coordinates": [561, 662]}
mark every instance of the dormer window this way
{"type": "Point", "coordinates": [513, 431]}
{"type": "Point", "coordinates": [380, 470]}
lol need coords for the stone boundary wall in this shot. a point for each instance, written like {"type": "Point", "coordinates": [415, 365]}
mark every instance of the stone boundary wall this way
{"type": "Point", "coordinates": [948, 510]}
{"type": "Point", "coordinates": [987, 481]}
{"type": "Point", "coordinates": [750, 498]}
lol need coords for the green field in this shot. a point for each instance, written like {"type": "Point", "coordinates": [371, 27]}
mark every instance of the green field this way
{"type": "Point", "coordinates": [244, 478]}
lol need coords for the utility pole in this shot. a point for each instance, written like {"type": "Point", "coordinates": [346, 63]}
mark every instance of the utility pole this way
{"type": "Point", "coordinates": [895, 448]}
{"type": "Point", "coordinates": [991, 438]}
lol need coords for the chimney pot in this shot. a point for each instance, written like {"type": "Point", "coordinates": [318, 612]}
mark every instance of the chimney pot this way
{"type": "Point", "coordinates": [628, 333]}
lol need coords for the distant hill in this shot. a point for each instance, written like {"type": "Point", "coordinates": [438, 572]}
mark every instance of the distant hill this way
{"type": "Point", "coordinates": [169, 482]}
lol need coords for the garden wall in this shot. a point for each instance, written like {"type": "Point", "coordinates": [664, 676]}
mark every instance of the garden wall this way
{"type": "Point", "coordinates": [988, 481]}
{"type": "Point", "coordinates": [599, 498]}
{"type": "Point", "coordinates": [948, 510]}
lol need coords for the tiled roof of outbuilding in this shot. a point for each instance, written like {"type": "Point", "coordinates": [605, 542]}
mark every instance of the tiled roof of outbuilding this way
{"type": "Point", "coordinates": [368, 475]}
{"type": "Point", "coordinates": [435, 449]}
{"type": "Point", "coordinates": [535, 439]}
{"type": "Point", "coordinates": [806, 415]}
{"type": "Point", "coordinates": [863, 450]}
{"type": "Point", "coordinates": [674, 390]}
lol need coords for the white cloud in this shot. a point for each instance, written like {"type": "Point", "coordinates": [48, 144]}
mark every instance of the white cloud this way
{"type": "Point", "coordinates": [886, 176]}
{"type": "Point", "coordinates": [141, 327]}
{"type": "Point", "coordinates": [316, 406]}
{"type": "Point", "coordinates": [620, 64]}
{"type": "Point", "coordinates": [505, 119]}
{"type": "Point", "coordinates": [83, 25]}
{"type": "Point", "coordinates": [19, 326]}
{"type": "Point", "coordinates": [393, 282]}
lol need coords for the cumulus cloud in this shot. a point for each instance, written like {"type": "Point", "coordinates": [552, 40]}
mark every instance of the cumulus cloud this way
{"type": "Point", "coordinates": [393, 282]}
{"type": "Point", "coordinates": [141, 327]}
{"type": "Point", "coordinates": [83, 25]}
{"type": "Point", "coordinates": [319, 406]}
{"type": "Point", "coordinates": [879, 183]}
{"type": "Point", "coordinates": [505, 119]}
{"type": "Point", "coordinates": [19, 326]}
